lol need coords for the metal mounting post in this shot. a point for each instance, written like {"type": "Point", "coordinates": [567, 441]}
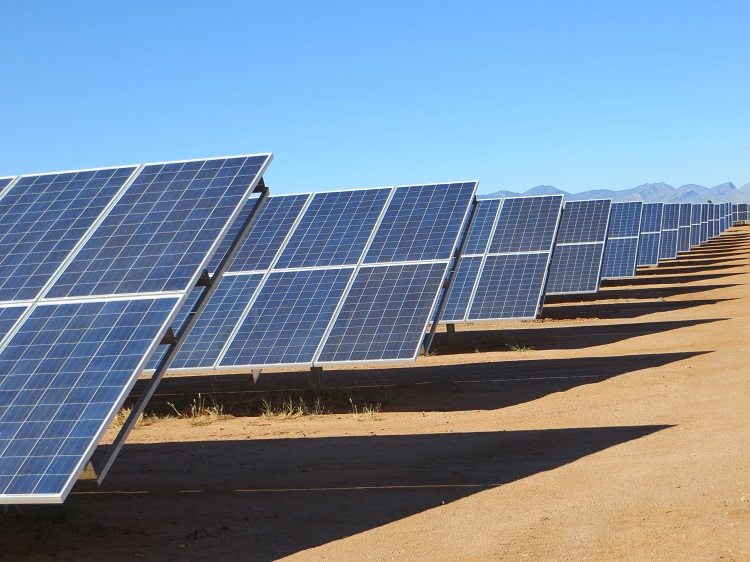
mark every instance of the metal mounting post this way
{"type": "Point", "coordinates": [103, 467]}
{"type": "Point", "coordinates": [316, 377]}
{"type": "Point", "coordinates": [450, 329]}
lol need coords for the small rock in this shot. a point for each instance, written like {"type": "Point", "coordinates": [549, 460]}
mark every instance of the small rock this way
{"type": "Point", "coordinates": [744, 499]}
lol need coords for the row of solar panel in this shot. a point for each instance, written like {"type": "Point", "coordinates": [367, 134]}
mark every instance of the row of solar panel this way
{"type": "Point", "coordinates": [98, 264]}
{"type": "Point", "coordinates": [596, 240]}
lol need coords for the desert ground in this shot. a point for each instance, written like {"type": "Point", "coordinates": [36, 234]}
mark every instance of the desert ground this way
{"type": "Point", "coordinates": [617, 427]}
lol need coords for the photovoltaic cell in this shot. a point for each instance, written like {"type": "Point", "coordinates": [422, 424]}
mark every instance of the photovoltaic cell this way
{"type": "Point", "coordinates": [669, 229]}
{"type": "Point", "coordinates": [704, 222]}
{"type": "Point", "coordinates": [62, 377]}
{"type": "Point", "coordinates": [421, 223]}
{"type": "Point", "coordinates": [162, 229]}
{"type": "Point", "coordinates": [286, 323]}
{"type": "Point", "coordinates": [334, 229]}
{"type": "Point", "coordinates": [683, 233]}
{"type": "Point", "coordinates": [268, 231]}
{"type": "Point", "coordinates": [385, 314]}
{"type": "Point", "coordinates": [576, 269]}
{"type": "Point", "coordinates": [743, 212]}
{"type": "Point", "coordinates": [650, 237]}
{"type": "Point", "coordinates": [43, 218]}
{"type": "Point", "coordinates": [620, 252]}
{"type": "Point", "coordinates": [695, 225]}
{"type": "Point", "coordinates": [5, 182]}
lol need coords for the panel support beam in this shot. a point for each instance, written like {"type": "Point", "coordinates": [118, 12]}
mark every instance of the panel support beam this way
{"type": "Point", "coordinates": [102, 468]}
{"type": "Point", "coordinates": [427, 343]}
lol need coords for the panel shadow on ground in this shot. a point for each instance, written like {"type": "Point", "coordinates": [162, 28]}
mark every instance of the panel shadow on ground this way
{"type": "Point", "coordinates": [277, 497]}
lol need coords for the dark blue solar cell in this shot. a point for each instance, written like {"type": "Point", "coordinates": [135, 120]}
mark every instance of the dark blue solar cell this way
{"type": "Point", "coordinates": [385, 314]}
{"type": "Point", "coordinates": [509, 287]}
{"type": "Point", "coordinates": [743, 211]}
{"type": "Point", "coordinates": [43, 217]}
{"type": "Point", "coordinates": [668, 245]}
{"type": "Point", "coordinates": [5, 182]}
{"type": "Point", "coordinates": [648, 249]}
{"type": "Point", "coordinates": [422, 222]}
{"type": "Point", "coordinates": [217, 322]}
{"type": "Point", "coordinates": [269, 229]}
{"type": "Point", "coordinates": [162, 229]}
{"type": "Point", "coordinates": [334, 229]}
{"type": "Point", "coordinates": [575, 269]}
{"type": "Point", "coordinates": [287, 322]}
{"type": "Point", "coordinates": [481, 228]}
{"type": "Point", "coordinates": [671, 216]}
{"type": "Point", "coordinates": [62, 377]}
{"type": "Point", "coordinates": [8, 317]}
{"type": "Point", "coordinates": [528, 224]}
{"type": "Point", "coordinates": [461, 289]}
{"type": "Point", "coordinates": [619, 258]}
{"type": "Point", "coordinates": [625, 219]}
{"type": "Point", "coordinates": [651, 218]}
{"type": "Point", "coordinates": [735, 212]}
{"type": "Point", "coordinates": [584, 221]}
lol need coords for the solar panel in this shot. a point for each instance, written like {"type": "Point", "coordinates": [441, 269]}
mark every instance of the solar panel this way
{"type": "Point", "coordinates": [622, 240]}
{"type": "Point", "coordinates": [650, 235]}
{"type": "Point", "coordinates": [69, 362]}
{"type": "Point", "coordinates": [743, 212]}
{"type": "Point", "coordinates": [318, 271]}
{"type": "Point", "coordinates": [384, 315]}
{"type": "Point", "coordinates": [43, 218]}
{"type": "Point", "coordinates": [704, 223]}
{"type": "Point", "coordinates": [669, 230]}
{"type": "Point", "coordinates": [5, 182]}
{"type": "Point", "coordinates": [575, 268]}
{"type": "Point", "coordinates": [325, 236]}
{"type": "Point", "coordinates": [502, 272]}
{"type": "Point", "coordinates": [695, 225]}
{"type": "Point", "coordinates": [683, 232]}
{"type": "Point", "coordinates": [421, 223]}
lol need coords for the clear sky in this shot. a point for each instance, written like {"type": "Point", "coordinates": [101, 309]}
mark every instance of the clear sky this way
{"type": "Point", "coordinates": [579, 95]}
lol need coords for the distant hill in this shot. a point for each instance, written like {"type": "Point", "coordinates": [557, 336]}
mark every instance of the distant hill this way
{"type": "Point", "coordinates": [648, 193]}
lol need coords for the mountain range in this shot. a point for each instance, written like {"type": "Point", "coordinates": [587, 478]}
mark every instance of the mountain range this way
{"type": "Point", "coordinates": [648, 193]}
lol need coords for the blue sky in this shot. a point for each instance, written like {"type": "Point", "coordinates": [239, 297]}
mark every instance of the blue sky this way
{"type": "Point", "coordinates": [579, 95]}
